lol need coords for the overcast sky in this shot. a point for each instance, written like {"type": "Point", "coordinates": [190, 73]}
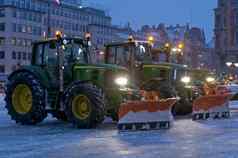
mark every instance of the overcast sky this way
{"type": "Point", "coordinates": [139, 12]}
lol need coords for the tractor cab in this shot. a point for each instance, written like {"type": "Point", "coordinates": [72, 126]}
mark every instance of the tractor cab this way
{"type": "Point", "coordinates": [73, 50]}
{"type": "Point", "coordinates": [128, 54]}
{"type": "Point", "coordinates": [58, 56]}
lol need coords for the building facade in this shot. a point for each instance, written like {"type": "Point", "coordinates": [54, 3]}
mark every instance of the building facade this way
{"type": "Point", "coordinates": [226, 32]}
{"type": "Point", "coordinates": [25, 21]}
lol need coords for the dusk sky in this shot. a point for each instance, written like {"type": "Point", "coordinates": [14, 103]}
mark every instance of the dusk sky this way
{"type": "Point", "coordinates": [139, 12]}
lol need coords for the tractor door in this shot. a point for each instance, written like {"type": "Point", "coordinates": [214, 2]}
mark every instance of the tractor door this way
{"type": "Point", "coordinates": [46, 56]}
{"type": "Point", "coordinates": [52, 61]}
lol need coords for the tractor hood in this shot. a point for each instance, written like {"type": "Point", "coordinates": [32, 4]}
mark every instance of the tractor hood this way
{"type": "Point", "coordinates": [103, 75]}
{"type": "Point", "coordinates": [160, 70]}
{"type": "Point", "coordinates": [109, 67]}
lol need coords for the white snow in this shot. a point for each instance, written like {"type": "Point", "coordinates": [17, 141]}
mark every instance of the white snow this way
{"type": "Point", "coordinates": [186, 139]}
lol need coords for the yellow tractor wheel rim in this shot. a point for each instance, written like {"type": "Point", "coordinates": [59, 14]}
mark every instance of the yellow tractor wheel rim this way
{"type": "Point", "coordinates": [81, 107]}
{"type": "Point", "coordinates": [22, 99]}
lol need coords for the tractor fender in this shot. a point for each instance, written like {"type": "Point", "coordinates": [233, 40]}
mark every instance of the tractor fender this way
{"type": "Point", "coordinates": [74, 84]}
{"type": "Point", "coordinates": [35, 71]}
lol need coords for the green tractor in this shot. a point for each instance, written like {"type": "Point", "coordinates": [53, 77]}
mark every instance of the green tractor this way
{"type": "Point", "coordinates": [171, 80]}
{"type": "Point", "coordinates": [61, 80]}
{"type": "Point", "coordinates": [199, 78]}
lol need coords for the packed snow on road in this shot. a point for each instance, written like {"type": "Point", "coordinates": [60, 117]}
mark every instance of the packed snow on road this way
{"type": "Point", "coordinates": [186, 139]}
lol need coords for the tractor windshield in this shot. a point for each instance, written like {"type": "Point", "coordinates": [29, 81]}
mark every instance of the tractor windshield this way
{"type": "Point", "coordinates": [119, 55]}
{"type": "Point", "coordinates": [75, 52]}
{"type": "Point", "coordinates": [128, 53]}
{"type": "Point", "coordinates": [142, 52]}
{"type": "Point", "coordinates": [47, 52]}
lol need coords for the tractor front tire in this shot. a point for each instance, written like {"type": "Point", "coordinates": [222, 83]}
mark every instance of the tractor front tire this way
{"type": "Point", "coordinates": [84, 105]}
{"type": "Point", "coordinates": [25, 101]}
{"type": "Point", "coordinates": [166, 91]}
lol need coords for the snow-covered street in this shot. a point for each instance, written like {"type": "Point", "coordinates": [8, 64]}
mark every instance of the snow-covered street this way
{"type": "Point", "coordinates": [56, 139]}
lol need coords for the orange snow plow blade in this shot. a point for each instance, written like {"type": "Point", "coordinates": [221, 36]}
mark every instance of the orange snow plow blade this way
{"type": "Point", "coordinates": [212, 106]}
{"type": "Point", "coordinates": [146, 115]}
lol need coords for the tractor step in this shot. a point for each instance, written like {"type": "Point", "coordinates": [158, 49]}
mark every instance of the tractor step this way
{"type": "Point", "coordinates": [213, 115]}
{"type": "Point", "coordinates": [144, 126]}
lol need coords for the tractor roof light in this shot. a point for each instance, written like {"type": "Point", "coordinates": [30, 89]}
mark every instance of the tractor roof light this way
{"type": "Point", "coordinates": [87, 36]}
{"type": "Point", "coordinates": [181, 46]}
{"type": "Point", "coordinates": [58, 34]}
{"type": "Point", "coordinates": [151, 39]}
{"type": "Point", "coordinates": [130, 38]}
{"type": "Point", "coordinates": [167, 45]}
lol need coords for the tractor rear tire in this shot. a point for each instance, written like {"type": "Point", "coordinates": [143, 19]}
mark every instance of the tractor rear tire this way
{"type": "Point", "coordinates": [25, 101]}
{"type": "Point", "coordinates": [84, 105]}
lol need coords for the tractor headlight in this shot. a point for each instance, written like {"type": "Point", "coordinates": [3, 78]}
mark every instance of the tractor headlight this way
{"type": "Point", "coordinates": [121, 81]}
{"type": "Point", "coordinates": [186, 79]}
{"type": "Point", "coordinates": [210, 79]}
